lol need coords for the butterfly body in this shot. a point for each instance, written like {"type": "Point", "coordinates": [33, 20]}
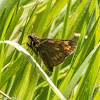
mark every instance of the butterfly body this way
{"type": "Point", "coordinates": [52, 51]}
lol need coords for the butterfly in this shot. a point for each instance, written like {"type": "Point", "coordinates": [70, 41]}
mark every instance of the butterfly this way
{"type": "Point", "coordinates": [51, 51]}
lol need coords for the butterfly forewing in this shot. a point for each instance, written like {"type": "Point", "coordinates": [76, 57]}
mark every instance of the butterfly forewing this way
{"type": "Point", "coordinates": [52, 52]}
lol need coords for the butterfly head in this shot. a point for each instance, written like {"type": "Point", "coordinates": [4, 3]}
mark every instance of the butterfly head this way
{"type": "Point", "coordinates": [32, 40]}
{"type": "Point", "coordinates": [32, 37]}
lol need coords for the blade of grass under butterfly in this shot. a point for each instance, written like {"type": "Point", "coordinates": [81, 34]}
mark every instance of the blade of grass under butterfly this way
{"type": "Point", "coordinates": [38, 68]}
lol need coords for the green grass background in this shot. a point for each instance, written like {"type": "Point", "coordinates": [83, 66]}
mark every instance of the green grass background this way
{"type": "Point", "coordinates": [78, 77]}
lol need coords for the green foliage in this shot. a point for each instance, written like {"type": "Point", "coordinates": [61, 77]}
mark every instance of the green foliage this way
{"type": "Point", "coordinates": [78, 77]}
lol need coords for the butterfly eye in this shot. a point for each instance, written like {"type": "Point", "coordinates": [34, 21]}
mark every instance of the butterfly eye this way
{"type": "Point", "coordinates": [30, 37]}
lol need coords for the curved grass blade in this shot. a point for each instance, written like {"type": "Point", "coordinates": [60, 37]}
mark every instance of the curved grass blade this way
{"type": "Point", "coordinates": [38, 68]}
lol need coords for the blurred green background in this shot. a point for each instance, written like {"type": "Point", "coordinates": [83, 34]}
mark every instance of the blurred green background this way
{"type": "Point", "coordinates": [78, 77]}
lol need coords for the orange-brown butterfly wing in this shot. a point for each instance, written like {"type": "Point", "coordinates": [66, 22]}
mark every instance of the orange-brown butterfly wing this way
{"type": "Point", "coordinates": [53, 52]}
